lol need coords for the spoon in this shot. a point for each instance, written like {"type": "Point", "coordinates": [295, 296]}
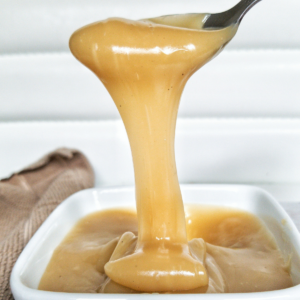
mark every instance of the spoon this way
{"type": "Point", "coordinates": [229, 17]}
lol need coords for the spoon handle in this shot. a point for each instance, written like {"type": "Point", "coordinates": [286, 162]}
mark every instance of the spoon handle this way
{"type": "Point", "coordinates": [231, 16]}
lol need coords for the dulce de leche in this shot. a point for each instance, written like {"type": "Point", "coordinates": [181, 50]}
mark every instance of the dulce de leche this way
{"type": "Point", "coordinates": [145, 65]}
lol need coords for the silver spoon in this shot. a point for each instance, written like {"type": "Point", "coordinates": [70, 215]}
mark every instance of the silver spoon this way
{"type": "Point", "coordinates": [229, 17]}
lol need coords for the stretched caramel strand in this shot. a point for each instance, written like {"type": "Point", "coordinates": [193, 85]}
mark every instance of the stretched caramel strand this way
{"type": "Point", "coordinates": [145, 65]}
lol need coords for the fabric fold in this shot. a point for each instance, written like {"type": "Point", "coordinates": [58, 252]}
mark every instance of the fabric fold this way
{"type": "Point", "coordinates": [29, 196]}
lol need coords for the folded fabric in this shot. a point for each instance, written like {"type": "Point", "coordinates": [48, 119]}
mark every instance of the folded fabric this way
{"type": "Point", "coordinates": [29, 196]}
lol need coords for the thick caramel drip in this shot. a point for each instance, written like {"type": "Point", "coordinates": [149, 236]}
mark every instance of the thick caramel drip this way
{"type": "Point", "coordinates": [145, 65]}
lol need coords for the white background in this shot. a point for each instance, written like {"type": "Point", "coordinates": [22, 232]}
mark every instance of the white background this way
{"type": "Point", "coordinates": [239, 116]}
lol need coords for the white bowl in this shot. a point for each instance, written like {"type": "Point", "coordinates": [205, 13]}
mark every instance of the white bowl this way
{"type": "Point", "coordinates": [32, 262]}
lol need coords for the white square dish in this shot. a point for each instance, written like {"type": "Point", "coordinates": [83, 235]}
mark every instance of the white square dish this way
{"type": "Point", "coordinates": [32, 262]}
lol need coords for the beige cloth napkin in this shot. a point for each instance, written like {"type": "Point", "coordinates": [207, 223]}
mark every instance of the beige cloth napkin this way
{"type": "Point", "coordinates": [28, 197]}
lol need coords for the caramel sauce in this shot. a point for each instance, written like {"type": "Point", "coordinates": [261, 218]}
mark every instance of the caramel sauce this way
{"type": "Point", "coordinates": [145, 65]}
{"type": "Point", "coordinates": [241, 255]}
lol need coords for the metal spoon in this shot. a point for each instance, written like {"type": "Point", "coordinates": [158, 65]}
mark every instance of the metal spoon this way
{"type": "Point", "coordinates": [229, 17]}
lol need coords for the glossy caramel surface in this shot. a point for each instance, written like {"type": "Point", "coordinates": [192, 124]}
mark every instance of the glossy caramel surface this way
{"type": "Point", "coordinates": [241, 255]}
